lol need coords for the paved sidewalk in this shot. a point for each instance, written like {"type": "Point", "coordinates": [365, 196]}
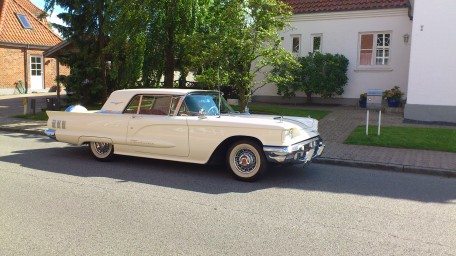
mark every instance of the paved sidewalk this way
{"type": "Point", "coordinates": [11, 105]}
{"type": "Point", "coordinates": [22, 125]}
{"type": "Point", "coordinates": [339, 124]}
{"type": "Point", "coordinates": [335, 128]}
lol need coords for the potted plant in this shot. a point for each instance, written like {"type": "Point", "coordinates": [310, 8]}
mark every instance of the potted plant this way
{"type": "Point", "coordinates": [362, 100]}
{"type": "Point", "coordinates": [393, 97]}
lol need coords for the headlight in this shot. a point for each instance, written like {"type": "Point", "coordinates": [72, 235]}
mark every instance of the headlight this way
{"type": "Point", "coordinates": [287, 135]}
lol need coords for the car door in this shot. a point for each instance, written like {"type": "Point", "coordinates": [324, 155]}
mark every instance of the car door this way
{"type": "Point", "coordinates": [154, 130]}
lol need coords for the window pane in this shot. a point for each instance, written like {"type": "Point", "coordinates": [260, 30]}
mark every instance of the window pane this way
{"type": "Point", "coordinates": [38, 72]}
{"type": "Point", "coordinates": [33, 72]}
{"type": "Point", "coordinates": [153, 105]}
{"type": "Point", "coordinates": [387, 39]}
{"type": "Point", "coordinates": [132, 107]}
{"type": "Point", "coordinates": [295, 46]}
{"type": "Point", "coordinates": [24, 21]}
{"type": "Point", "coordinates": [367, 41]}
{"type": "Point", "coordinates": [380, 40]}
{"type": "Point", "coordinates": [33, 66]}
{"type": "Point", "coordinates": [379, 61]}
{"type": "Point", "coordinates": [365, 57]}
{"type": "Point", "coordinates": [316, 45]}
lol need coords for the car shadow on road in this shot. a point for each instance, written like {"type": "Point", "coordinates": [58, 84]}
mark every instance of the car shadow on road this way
{"type": "Point", "coordinates": [76, 161]}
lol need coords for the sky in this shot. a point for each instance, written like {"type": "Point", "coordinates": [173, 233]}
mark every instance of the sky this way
{"type": "Point", "coordinates": [53, 18]}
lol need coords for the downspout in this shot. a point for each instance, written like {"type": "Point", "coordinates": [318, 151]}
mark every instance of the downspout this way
{"type": "Point", "coordinates": [26, 68]}
{"type": "Point", "coordinates": [58, 83]}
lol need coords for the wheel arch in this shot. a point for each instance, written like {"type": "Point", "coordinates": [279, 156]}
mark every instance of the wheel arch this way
{"type": "Point", "coordinates": [218, 156]}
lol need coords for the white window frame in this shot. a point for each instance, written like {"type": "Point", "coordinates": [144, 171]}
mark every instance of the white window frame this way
{"type": "Point", "coordinates": [312, 38]}
{"type": "Point", "coordinates": [297, 53]}
{"type": "Point", "coordinates": [373, 62]}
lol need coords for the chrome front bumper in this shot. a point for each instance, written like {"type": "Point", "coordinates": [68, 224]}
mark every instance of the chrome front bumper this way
{"type": "Point", "coordinates": [299, 153]}
{"type": "Point", "coordinates": [50, 133]}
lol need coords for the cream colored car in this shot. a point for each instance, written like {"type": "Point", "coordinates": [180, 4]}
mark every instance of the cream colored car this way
{"type": "Point", "coordinates": [194, 126]}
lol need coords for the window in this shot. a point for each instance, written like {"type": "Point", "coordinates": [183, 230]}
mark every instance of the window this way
{"type": "Point", "coordinates": [206, 103]}
{"type": "Point", "coordinates": [132, 107]}
{"type": "Point", "coordinates": [35, 66]}
{"type": "Point", "coordinates": [155, 105]}
{"type": "Point", "coordinates": [316, 42]}
{"type": "Point", "coordinates": [374, 49]}
{"type": "Point", "coordinates": [296, 44]}
{"type": "Point", "coordinates": [24, 21]}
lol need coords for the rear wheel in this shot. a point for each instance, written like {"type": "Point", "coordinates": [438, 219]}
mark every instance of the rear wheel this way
{"type": "Point", "coordinates": [102, 151]}
{"type": "Point", "coordinates": [246, 160]}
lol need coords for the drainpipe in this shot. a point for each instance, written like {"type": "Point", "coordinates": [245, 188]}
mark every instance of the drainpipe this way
{"type": "Point", "coordinates": [58, 83]}
{"type": "Point", "coordinates": [26, 68]}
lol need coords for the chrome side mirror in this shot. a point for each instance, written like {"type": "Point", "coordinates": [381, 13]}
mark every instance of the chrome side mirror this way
{"type": "Point", "coordinates": [202, 114]}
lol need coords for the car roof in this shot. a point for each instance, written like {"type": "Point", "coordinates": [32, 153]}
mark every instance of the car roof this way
{"type": "Point", "coordinates": [170, 91]}
{"type": "Point", "coordinates": [119, 99]}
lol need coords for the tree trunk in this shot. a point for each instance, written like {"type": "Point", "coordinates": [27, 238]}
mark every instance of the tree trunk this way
{"type": "Point", "coordinates": [243, 98]}
{"type": "Point", "coordinates": [309, 97]}
{"type": "Point", "coordinates": [169, 46]}
{"type": "Point", "coordinates": [169, 64]}
{"type": "Point", "coordinates": [101, 46]}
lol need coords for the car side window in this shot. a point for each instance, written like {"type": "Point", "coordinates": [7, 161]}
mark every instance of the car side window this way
{"type": "Point", "coordinates": [132, 107]}
{"type": "Point", "coordinates": [155, 105]}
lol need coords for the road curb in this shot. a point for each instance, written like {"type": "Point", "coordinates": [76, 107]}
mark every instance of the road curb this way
{"type": "Point", "coordinates": [388, 167]}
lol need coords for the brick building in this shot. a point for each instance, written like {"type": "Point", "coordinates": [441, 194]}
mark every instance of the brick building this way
{"type": "Point", "coordinates": [24, 36]}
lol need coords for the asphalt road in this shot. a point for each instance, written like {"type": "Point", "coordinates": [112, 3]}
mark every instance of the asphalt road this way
{"type": "Point", "coordinates": [56, 200]}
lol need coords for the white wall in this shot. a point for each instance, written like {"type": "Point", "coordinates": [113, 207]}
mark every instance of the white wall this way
{"type": "Point", "coordinates": [341, 35]}
{"type": "Point", "coordinates": [432, 78]}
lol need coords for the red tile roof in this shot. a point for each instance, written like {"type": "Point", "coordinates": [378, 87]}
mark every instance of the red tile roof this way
{"type": "Point", "coordinates": [11, 30]}
{"type": "Point", "coordinates": [313, 6]}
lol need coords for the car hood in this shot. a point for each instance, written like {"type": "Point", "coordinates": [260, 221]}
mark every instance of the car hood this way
{"type": "Point", "coordinates": [286, 122]}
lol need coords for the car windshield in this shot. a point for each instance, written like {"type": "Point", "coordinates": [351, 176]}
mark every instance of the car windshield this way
{"type": "Point", "coordinates": [206, 103]}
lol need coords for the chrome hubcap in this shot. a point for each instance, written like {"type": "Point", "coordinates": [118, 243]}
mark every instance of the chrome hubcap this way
{"type": "Point", "coordinates": [245, 160]}
{"type": "Point", "coordinates": [102, 148]}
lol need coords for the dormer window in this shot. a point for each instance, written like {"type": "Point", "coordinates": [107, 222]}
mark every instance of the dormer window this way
{"type": "Point", "coordinates": [24, 21]}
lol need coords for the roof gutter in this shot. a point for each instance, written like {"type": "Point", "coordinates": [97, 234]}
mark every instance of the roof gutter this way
{"type": "Point", "coordinates": [28, 46]}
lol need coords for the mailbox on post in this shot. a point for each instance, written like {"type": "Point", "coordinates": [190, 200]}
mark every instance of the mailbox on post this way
{"type": "Point", "coordinates": [374, 99]}
{"type": "Point", "coordinates": [374, 102]}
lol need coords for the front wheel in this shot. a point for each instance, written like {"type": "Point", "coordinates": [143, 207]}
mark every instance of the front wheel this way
{"type": "Point", "coordinates": [102, 151]}
{"type": "Point", "coordinates": [246, 160]}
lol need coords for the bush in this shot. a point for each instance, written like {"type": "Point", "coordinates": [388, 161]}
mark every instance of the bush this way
{"type": "Point", "coordinates": [323, 74]}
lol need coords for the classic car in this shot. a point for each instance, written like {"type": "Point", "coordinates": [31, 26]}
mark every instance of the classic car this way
{"type": "Point", "coordinates": [195, 126]}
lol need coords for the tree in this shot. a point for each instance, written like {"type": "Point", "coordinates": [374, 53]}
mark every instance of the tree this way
{"type": "Point", "coordinates": [317, 73]}
{"type": "Point", "coordinates": [85, 28]}
{"type": "Point", "coordinates": [147, 38]}
{"type": "Point", "coordinates": [238, 40]}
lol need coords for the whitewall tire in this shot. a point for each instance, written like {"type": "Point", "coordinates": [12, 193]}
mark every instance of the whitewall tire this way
{"type": "Point", "coordinates": [246, 160]}
{"type": "Point", "coordinates": [102, 151]}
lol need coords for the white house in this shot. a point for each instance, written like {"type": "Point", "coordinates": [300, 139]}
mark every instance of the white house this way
{"type": "Point", "coordinates": [432, 78]}
{"type": "Point", "coordinates": [405, 43]}
{"type": "Point", "coordinates": [374, 36]}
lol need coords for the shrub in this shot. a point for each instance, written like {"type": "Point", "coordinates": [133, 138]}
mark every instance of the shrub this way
{"type": "Point", "coordinates": [323, 74]}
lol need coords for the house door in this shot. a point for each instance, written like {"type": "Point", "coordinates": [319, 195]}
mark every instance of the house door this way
{"type": "Point", "coordinates": [36, 73]}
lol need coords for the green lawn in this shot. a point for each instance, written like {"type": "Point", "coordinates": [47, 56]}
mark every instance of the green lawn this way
{"type": "Point", "coordinates": [39, 116]}
{"type": "Point", "coordinates": [285, 111]}
{"type": "Point", "coordinates": [440, 139]}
